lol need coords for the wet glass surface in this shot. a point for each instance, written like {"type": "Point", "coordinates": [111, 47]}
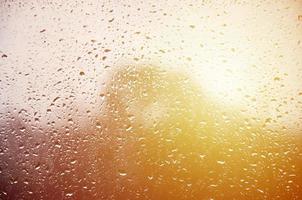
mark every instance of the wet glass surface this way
{"type": "Point", "coordinates": [150, 100]}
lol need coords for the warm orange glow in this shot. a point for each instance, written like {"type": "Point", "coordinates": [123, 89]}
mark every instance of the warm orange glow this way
{"type": "Point", "coordinates": [170, 142]}
{"type": "Point", "coordinates": [151, 100]}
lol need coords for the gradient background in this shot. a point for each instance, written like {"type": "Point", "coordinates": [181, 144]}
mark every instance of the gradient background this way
{"type": "Point", "coordinates": [59, 62]}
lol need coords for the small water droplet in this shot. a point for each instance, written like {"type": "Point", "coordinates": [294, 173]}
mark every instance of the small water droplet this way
{"type": "Point", "coordinates": [98, 125]}
{"type": "Point", "coordinates": [221, 162]}
{"type": "Point", "coordinates": [122, 173]}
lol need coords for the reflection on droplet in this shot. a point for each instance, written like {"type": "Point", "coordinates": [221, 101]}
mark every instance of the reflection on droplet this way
{"type": "Point", "coordinates": [221, 162]}
{"type": "Point", "coordinates": [122, 173]}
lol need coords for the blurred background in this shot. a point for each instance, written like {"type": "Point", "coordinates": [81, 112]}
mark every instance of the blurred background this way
{"type": "Point", "coordinates": [150, 99]}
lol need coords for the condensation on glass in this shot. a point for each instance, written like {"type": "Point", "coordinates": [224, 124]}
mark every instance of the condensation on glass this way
{"type": "Point", "coordinates": [150, 99]}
